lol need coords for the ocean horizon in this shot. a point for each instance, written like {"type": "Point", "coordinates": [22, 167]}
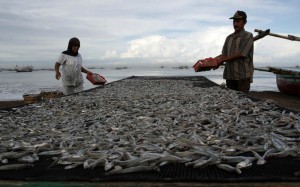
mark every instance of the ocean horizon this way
{"type": "Point", "coordinates": [14, 85]}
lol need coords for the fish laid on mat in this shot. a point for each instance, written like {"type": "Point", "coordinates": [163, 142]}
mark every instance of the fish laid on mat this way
{"type": "Point", "coordinates": [141, 125]}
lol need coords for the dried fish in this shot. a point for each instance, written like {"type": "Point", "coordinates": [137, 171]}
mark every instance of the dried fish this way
{"type": "Point", "coordinates": [29, 158]}
{"type": "Point", "coordinates": [141, 125]}
{"type": "Point", "coordinates": [260, 159]}
{"type": "Point", "coordinates": [247, 163]}
{"type": "Point", "coordinates": [15, 166]}
{"type": "Point", "coordinates": [134, 169]}
{"type": "Point", "coordinates": [229, 168]}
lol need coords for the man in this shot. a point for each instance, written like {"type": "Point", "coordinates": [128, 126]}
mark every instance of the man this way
{"type": "Point", "coordinates": [238, 54]}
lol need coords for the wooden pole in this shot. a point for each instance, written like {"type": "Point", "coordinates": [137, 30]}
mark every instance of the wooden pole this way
{"type": "Point", "coordinates": [261, 35]}
{"type": "Point", "coordinates": [288, 37]}
{"type": "Point", "coordinates": [283, 71]}
{"type": "Point", "coordinates": [262, 69]}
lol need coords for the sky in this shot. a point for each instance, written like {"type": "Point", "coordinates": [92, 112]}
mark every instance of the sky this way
{"type": "Point", "coordinates": [142, 32]}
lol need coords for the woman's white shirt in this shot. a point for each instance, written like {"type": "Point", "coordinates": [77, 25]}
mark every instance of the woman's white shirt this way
{"type": "Point", "coordinates": [71, 69]}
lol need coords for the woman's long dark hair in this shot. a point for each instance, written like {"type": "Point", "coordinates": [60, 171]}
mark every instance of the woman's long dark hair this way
{"type": "Point", "coordinates": [72, 42]}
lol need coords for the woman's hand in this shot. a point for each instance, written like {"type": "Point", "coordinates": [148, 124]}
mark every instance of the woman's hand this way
{"type": "Point", "coordinates": [86, 71]}
{"type": "Point", "coordinates": [57, 75]}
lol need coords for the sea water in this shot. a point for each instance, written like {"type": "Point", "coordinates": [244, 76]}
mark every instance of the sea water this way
{"type": "Point", "coordinates": [13, 85]}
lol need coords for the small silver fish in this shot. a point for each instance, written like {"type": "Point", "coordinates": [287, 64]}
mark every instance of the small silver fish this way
{"type": "Point", "coordinates": [29, 159]}
{"type": "Point", "coordinates": [15, 166]}
{"type": "Point", "coordinates": [260, 159]}
{"type": "Point", "coordinates": [134, 169]}
{"type": "Point", "coordinates": [54, 152]}
{"type": "Point", "coordinates": [244, 164]}
{"type": "Point", "coordinates": [72, 166]}
{"type": "Point", "coordinates": [229, 168]}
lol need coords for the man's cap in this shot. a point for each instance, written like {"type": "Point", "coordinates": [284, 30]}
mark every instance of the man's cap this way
{"type": "Point", "coordinates": [239, 15]}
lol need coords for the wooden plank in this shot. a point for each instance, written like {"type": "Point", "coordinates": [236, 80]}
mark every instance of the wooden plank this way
{"type": "Point", "coordinates": [262, 69]}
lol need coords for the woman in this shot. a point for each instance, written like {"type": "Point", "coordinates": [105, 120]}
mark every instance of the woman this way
{"type": "Point", "coordinates": [71, 63]}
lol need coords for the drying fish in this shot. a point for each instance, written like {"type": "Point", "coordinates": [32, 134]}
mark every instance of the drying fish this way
{"type": "Point", "coordinates": [260, 159]}
{"type": "Point", "coordinates": [71, 166]}
{"type": "Point", "coordinates": [134, 169]}
{"type": "Point", "coordinates": [15, 166]}
{"type": "Point", "coordinates": [29, 158]}
{"type": "Point", "coordinates": [229, 168]}
{"type": "Point", "coordinates": [54, 152]}
{"type": "Point", "coordinates": [141, 125]}
{"type": "Point", "coordinates": [245, 164]}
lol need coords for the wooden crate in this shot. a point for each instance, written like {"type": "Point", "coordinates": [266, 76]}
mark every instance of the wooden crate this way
{"type": "Point", "coordinates": [31, 98]}
{"type": "Point", "coordinates": [50, 95]}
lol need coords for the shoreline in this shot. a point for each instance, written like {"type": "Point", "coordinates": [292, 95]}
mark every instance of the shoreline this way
{"type": "Point", "coordinates": [281, 99]}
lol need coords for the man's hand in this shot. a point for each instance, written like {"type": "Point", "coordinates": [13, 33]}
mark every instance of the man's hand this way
{"type": "Point", "coordinates": [219, 63]}
{"type": "Point", "coordinates": [57, 75]}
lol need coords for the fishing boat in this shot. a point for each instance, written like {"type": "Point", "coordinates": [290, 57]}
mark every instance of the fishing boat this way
{"type": "Point", "coordinates": [23, 68]}
{"type": "Point", "coordinates": [288, 81]}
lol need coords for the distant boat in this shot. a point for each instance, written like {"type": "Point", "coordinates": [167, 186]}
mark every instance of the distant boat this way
{"type": "Point", "coordinates": [183, 67]}
{"type": "Point", "coordinates": [23, 68]}
{"type": "Point", "coordinates": [119, 68]}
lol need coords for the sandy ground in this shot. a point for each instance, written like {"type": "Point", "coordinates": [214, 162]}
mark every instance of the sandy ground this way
{"type": "Point", "coordinates": [288, 101]}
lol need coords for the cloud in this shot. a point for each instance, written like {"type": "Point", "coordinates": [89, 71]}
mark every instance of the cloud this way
{"type": "Point", "coordinates": [159, 30]}
{"type": "Point", "coordinates": [192, 45]}
{"type": "Point", "coordinates": [277, 51]}
{"type": "Point", "coordinates": [110, 54]}
{"type": "Point", "coordinates": [209, 43]}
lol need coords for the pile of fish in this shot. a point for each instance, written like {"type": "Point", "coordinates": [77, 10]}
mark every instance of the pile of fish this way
{"type": "Point", "coordinates": [140, 125]}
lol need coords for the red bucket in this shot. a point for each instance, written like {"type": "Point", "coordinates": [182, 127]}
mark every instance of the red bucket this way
{"type": "Point", "coordinates": [96, 79]}
{"type": "Point", "coordinates": [205, 64]}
